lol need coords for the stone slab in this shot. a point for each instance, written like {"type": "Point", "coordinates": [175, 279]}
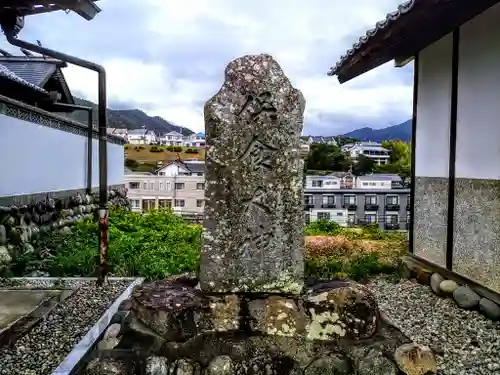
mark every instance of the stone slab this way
{"type": "Point", "coordinates": [253, 222]}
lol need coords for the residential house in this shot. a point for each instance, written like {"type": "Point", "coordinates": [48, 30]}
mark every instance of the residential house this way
{"type": "Point", "coordinates": [374, 181]}
{"type": "Point", "coordinates": [141, 137]}
{"type": "Point", "coordinates": [118, 132]}
{"type": "Point", "coordinates": [176, 185]}
{"type": "Point", "coordinates": [172, 138]}
{"type": "Point", "coordinates": [455, 178]}
{"type": "Point", "coordinates": [195, 140]}
{"type": "Point", "coordinates": [309, 139]}
{"type": "Point", "coordinates": [372, 150]}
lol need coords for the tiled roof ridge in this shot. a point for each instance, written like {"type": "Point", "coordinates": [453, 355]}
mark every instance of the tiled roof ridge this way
{"type": "Point", "coordinates": [370, 33]}
{"type": "Point", "coordinates": [6, 72]}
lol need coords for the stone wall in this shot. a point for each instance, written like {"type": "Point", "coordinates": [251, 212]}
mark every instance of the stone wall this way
{"type": "Point", "coordinates": [23, 219]}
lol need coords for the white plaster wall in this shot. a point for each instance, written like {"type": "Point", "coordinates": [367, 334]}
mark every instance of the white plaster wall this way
{"type": "Point", "coordinates": [433, 110]}
{"type": "Point", "coordinates": [35, 159]}
{"type": "Point", "coordinates": [478, 115]}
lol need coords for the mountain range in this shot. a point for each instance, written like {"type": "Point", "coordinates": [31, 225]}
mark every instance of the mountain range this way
{"type": "Point", "coordinates": [129, 118]}
{"type": "Point", "coordinates": [401, 132]}
{"type": "Point", "coordinates": [135, 119]}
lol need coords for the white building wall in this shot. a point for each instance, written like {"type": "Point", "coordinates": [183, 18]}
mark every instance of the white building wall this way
{"type": "Point", "coordinates": [36, 159]}
{"type": "Point", "coordinates": [433, 110]}
{"type": "Point", "coordinates": [478, 102]}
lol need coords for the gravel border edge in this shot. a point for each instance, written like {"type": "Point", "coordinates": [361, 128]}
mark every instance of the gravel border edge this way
{"type": "Point", "coordinates": [73, 359]}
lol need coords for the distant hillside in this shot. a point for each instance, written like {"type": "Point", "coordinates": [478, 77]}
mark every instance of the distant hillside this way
{"type": "Point", "coordinates": [129, 118]}
{"type": "Point", "coordinates": [401, 132]}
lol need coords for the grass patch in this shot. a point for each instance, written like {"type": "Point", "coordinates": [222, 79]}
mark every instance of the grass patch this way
{"type": "Point", "coordinates": [160, 244]}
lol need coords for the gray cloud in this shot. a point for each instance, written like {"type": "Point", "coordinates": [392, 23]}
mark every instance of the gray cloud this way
{"type": "Point", "coordinates": [122, 31]}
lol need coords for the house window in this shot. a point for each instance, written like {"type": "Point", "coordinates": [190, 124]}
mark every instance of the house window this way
{"type": "Point", "coordinates": [349, 200]}
{"type": "Point", "coordinates": [199, 202]}
{"type": "Point", "coordinates": [329, 200]}
{"type": "Point", "coordinates": [391, 219]}
{"type": "Point", "coordinates": [392, 199]}
{"type": "Point", "coordinates": [371, 199]}
{"type": "Point", "coordinates": [371, 218]}
{"type": "Point", "coordinates": [365, 183]}
{"type": "Point", "coordinates": [179, 185]}
{"type": "Point", "coordinates": [408, 200]}
{"type": "Point", "coordinates": [308, 199]}
{"type": "Point", "coordinates": [134, 185]}
{"type": "Point", "coordinates": [317, 183]}
{"type": "Point", "coordinates": [148, 204]}
{"type": "Point", "coordinates": [179, 203]}
{"type": "Point", "coordinates": [145, 186]}
{"type": "Point", "coordinates": [162, 173]}
{"type": "Point", "coordinates": [340, 214]}
{"type": "Point", "coordinates": [199, 174]}
{"type": "Point", "coordinates": [323, 216]}
{"type": "Point", "coordinates": [151, 186]}
{"type": "Point", "coordinates": [134, 203]}
{"type": "Point", "coordinates": [164, 203]}
{"type": "Point", "coordinates": [200, 186]}
{"type": "Point", "coordinates": [308, 218]}
{"type": "Point", "coordinates": [161, 185]}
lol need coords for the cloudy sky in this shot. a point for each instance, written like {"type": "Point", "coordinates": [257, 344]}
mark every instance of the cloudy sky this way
{"type": "Point", "coordinates": [167, 57]}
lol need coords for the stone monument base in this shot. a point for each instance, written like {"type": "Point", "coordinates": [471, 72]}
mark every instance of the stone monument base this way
{"type": "Point", "coordinates": [335, 328]}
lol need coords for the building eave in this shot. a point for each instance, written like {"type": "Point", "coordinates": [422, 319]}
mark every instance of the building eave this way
{"type": "Point", "coordinates": [414, 26]}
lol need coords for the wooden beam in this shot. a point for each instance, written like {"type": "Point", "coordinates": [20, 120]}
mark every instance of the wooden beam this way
{"type": "Point", "coordinates": [401, 62]}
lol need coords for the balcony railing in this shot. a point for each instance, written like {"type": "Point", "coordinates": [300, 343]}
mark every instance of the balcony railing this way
{"type": "Point", "coordinates": [328, 205]}
{"type": "Point", "coordinates": [371, 207]}
{"type": "Point", "coordinates": [391, 226]}
{"type": "Point", "coordinates": [392, 207]}
{"type": "Point", "coordinates": [408, 207]}
{"type": "Point", "coordinates": [350, 206]}
{"type": "Point", "coordinates": [308, 205]}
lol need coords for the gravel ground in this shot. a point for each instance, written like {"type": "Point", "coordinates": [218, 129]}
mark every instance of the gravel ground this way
{"type": "Point", "coordinates": [466, 342]}
{"type": "Point", "coordinates": [47, 344]}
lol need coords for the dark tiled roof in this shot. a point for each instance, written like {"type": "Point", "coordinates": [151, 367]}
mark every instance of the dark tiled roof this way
{"type": "Point", "coordinates": [36, 73]}
{"type": "Point", "coordinates": [381, 25]}
{"type": "Point", "coordinates": [195, 167]}
{"type": "Point", "coordinates": [415, 25]}
{"type": "Point", "coordinates": [8, 74]}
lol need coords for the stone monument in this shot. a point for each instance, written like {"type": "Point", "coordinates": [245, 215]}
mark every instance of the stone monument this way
{"type": "Point", "coordinates": [253, 223]}
{"type": "Point", "coordinates": [248, 312]}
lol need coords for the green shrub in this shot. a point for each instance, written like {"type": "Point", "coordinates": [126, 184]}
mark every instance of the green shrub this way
{"type": "Point", "coordinates": [170, 148]}
{"type": "Point", "coordinates": [125, 147]}
{"type": "Point", "coordinates": [177, 149]}
{"type": "Point", "coordinates": [323, 227]}
{"type": "Point", "coordinates": [191, 151]}
{"type": "Point", "coordinates": [156, 149]}
{"type": "Point", "coordinates": [373, 232]}
{"type": "Point", "coordinates": [154, 246]}
{"type": "Point", "coordinates": [131, 163]}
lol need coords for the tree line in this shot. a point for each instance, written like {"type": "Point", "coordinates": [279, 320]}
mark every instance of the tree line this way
{"type": "Point", "coordinates": [327, 158]}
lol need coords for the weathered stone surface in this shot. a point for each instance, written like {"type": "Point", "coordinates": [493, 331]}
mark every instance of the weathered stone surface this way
{"type": "Point", "coordinates": [106, 366]}
{"type": "Point", "coordinates": [374, 363]}
{"type": "Point", "coordinates": [253, 223]}
{"type": "Point", "coordinates": [436, 280]}
{"type": "Point", "coordinates": [334, 365]}
{"type": "Point", "coordinates": [466, 298]}
{"type": "Point", "coordinates": [112, 331]}
{"type": "Point", "coordinates": [176, 310]}
{"type": "Point", "coordinates": [489, 309]}
{"type": "Point", "coordinates": [156, 366]}
{"type": "Point", "coordinates": [221, 365]}
{"type": "Point", "coordinates": [341, 309]}
{"type": "Point", "coordinates": [448, 287]}
{"type": "Point", "coordinates": [277, 315]}
{"type": "Point", "coordinates": [414, 359]}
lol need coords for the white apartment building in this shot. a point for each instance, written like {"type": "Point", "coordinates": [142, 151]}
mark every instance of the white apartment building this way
{"type": "Point", "coordinates": [177, 185]}
{"type": "Point", "coordinates": [141, 137]}
{"type": "Point", "coordinates": [177, 139]}
{"type": "Point", "coordinates": [374, 181]}
{"type": "Point", "coordinates": [372, 150]}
